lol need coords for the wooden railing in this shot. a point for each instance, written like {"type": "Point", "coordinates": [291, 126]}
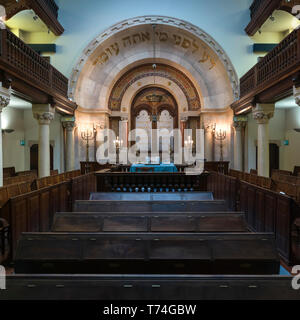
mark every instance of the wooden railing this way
{"type": "Point", "coordinates": [260, 11]}
{"type": "Point", "coordinates": [284, 58]}
{"type": "Point", "coordinates": [24, 62]}
{"type": "Point", "coordinates": [33, 211]}
{"type": "Point", "coordinates": [149, 182]}
{"type": "Point", "coordinates": [266, 210]}
{"type": "Point", "coordinates": [52, 6]}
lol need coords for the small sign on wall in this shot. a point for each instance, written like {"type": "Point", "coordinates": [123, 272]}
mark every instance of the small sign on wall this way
{"type": "Point", "coordinates": [22, 143]}
{"type": "Point", "coordinates": [286, 142]}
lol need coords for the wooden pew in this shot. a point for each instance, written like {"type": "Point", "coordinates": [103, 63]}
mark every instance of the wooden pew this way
{"type": "Point", "coordinates": [9, 172]}
{"type": "Point", "coordinates": [198, 222]}
{"type": "Point", "coordinates": [150, 287]}
{"type": "Point", "coordinates": [149, 206]}
{"type": "Point", "coordinates": [147, 253]}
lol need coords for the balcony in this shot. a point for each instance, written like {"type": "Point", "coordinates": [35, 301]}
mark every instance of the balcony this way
{"type": "Point", "coordinates": [261, 10]}
{"type": "Point", "coordinates": [47, 10]}
{"type": "Point", "coordinates": [272, 77]}
{"type": "Point", "coordinates": [31, 75]}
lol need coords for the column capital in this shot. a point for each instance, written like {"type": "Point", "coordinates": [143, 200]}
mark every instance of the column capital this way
{"type": "Point", "coordinates": [4, 97]}
{"type": "Point", "coordinates": [43, 113]}
{"type": "Point", "coordinates": [262, 113]}
{"type": "Point", "coordinates": [296, 93]}
{"type": "Point", "coordinates": [2, 17]}
{"type": "Point", "coordinates": [68, 123]}
{"type": "Point", "coordinates": [239, 122]}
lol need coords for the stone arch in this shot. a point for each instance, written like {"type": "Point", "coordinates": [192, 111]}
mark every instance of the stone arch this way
{"type": "Point", "coordinates": [146, 70]}
{"type": "Point", "coordinates": [183, 45]}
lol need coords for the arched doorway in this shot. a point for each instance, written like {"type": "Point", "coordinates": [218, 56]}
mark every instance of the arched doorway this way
{"type": "Point", "coordinates": [34, 157]}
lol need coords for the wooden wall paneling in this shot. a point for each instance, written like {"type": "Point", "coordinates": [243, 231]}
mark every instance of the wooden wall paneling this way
{"type": "Point", "coordinates": [270, 211]}
{"type": "Point", "coordinates": [45, 200]}
{"type": "Point", "coordinates": [251, 206]}
{"type": "Point", "coordinates": [33, 212]}
{"type": "Point", "coordinates": [18, 221]}
{"type": "Point", "coordinates": [283, 226]}
{"type": "Point", "coordinates": [259, 220]}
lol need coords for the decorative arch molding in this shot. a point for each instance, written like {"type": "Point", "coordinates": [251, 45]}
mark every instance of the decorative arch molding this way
{"type": "Point", "coordinates": [161, 82]}
{"type": "Point", "coordinates": [167, 102]}
{"type": "Point", "coordinates": [89, 53]}
{"type": "Point", "coordinates": [163, 71]}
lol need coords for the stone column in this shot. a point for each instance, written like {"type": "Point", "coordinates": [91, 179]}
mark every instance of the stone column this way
{"type": "Point", "coordinates": [69, 124]}
{"type": "Point", "coordinates": [183, 123]}
{"type": "Point", "coordinates": [4, 101]}
{"type": "Point", "coordinates": [262, 113]}
{"type": "Point", "coordinates": [208, 141]}
{"type": "Point", "coordinates": [44, 113]}
{"type": "Point", "coordinates": [123, 131]}
{"type": "Point", "coordinates": [239, 125]}
{"type": "Point", "coordinates": [296, 92]}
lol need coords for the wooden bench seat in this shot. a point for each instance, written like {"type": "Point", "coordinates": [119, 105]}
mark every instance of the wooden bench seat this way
{"type": "Point", "coordinates": [147, 253]}
{"type": "Point", "coordinates": [199, 222]}
{"type": "Point", "coordinates": [13, 190]}
{"type": "Point", "coordinates": [149, 206]}
{"type": "Point", "coordinates": [148, 287]}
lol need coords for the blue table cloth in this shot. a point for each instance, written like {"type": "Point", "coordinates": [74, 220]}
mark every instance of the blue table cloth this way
{"type": "Point", "coordinates": [154, 167]}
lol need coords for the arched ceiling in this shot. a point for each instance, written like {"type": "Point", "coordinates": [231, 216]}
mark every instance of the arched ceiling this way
{"type": "Point", "coordinates": [179, 45]}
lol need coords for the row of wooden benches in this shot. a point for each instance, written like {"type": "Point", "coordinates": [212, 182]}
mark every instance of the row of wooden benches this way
{"type": "Point", "coordinates": [24, 176]}
{"type": "Point", "coordinates": [279, 182]}
{"type": "Point", "coordinates": [32, 184]}
{"type": "Point", "coordinates": [159, 254]}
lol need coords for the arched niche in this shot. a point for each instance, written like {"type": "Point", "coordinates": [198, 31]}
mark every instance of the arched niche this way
{"type": "Point", "coordinates": [128, 45]}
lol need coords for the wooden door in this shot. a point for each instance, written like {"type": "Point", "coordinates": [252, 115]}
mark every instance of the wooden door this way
{"type": "Point", "coordinates": [34, 157]}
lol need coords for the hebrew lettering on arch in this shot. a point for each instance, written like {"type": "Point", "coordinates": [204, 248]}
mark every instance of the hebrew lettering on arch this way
{"type": "Point", "coordinates": [102, 58]}
{"type": "Point", "coordinates": [163, 36]}
{"type": "Point", "coordinates": [204, 58]}
{"type": "Point", "coordinates": [145, 36]}
{"type": "Point", "coordinates": [138, 37]}
{"type": "Point", "coordinates": [126, 40]}
{"type": "Point", "coordinates": [177, 39]}
{"type": "Point", "coordinates": [213, 64]}
{"type": "Point", "coordinates": [115, 48]}
{"type": "Point", "coordinates": [194, 44]}
{"type": "Point", "coordinates": [186, 43]}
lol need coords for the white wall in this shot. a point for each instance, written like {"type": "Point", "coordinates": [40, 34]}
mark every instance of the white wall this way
{"type": "Point", "coordinates": [13, 152]}
{"type": "Point", "coordinates": [26, 128]}
{"type": "Point", "coordinates": [292, 151]}
{"type": "Point", "coordinates": [277, 133]}
{"type": "Point", "coordinates": [31, 137]}
{"type": "Point", "coordinates": [223, 20]}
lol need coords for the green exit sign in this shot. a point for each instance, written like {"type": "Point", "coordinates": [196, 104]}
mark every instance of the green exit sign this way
{"type": "Point", "coordinates": [286, 142]}
{"type": "Point", "coordinates": [22, 142]}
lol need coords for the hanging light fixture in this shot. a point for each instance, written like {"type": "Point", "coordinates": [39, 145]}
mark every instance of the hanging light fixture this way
{"type": "Point", "coordinates": [154, 97]}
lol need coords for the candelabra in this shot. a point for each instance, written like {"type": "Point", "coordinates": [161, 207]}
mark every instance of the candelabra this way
{"type": "Point", "coordinates": [118, 144]}
{"type": "Point", "coordinates": [220, 136]}
{"type": "Point", "coordinates": [87, 135]}
{"type": "Point", "coordinates": [189, 142]}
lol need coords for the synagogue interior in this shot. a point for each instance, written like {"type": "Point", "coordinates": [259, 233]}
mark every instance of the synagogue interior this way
{"type": "Point", "coordinates": [149, 150]}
